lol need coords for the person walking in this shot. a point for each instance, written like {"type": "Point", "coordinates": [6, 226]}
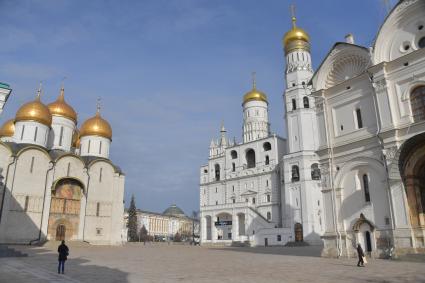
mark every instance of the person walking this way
{"type": "Point", "coordinates": [63, 251]}
{"type": "Point", "coordinates": [360, 253]}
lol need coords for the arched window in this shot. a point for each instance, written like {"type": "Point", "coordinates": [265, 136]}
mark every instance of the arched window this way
{"type": "Point", "coordinates": [268, 198]}
{"type": "Point", "coordinates": [306, 102]}
{"type": "Point", "coordinates": [217, 172]}
{"type": "Point", "coordinates": [269, 215]}
{"type": "Point", "coordinates": [295, 173]}
{"type": "Point", "coordinates": [294, 104]}
{"type": "Point", "coordinates": [234, 154]}
{"type": "Point", "coordinates": [267, 146]}
{"type": "Point", "coordinates": [267, 161]}
{"type": "Point", "coordinates": [315, 171]}
{"type": "Point", "coordinates": [250, 158]}
{"type": "Point", "coordinates": [417, 102]}
{"type": "Point", "coordinates": [366, 187]}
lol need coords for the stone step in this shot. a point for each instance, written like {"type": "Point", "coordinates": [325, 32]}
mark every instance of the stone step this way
{"type": "Point", "coordinates": [412, 257]}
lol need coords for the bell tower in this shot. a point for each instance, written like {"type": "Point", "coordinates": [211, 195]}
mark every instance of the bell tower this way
{"type": "Point", "coordinates": [302, 197]}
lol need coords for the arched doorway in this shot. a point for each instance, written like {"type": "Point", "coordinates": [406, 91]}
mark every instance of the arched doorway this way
{"type": "Point", "coordinates": [60, 232]}
{"type": "Point", "coordinates": [298, 228]}
{"type": "Point", "coordinates": [65, 206]}
{"type": "Point", "coordinates": [224, 226]}
{"type": "Point", "coordinates": [368, 242]}
{"type": "Point", "coordinates": [412, 171]}
{"type": "Point", "coordinates": [363, 229]}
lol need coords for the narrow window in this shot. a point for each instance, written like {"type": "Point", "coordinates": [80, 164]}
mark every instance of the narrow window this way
{"type": "Point", "coordinates": [268, 198]}
{"type": "Point", "coordinates": [35, 134]}
{"type": "Point", "coordinates": [359, 119]}
{"type": "Point", "coordinates": [217, 172]}
{"type": "Point", "coordinates": [233, 200]}
{"type": "Point", "coordinates": [32, 164]}
{"type": "Point", "coordinates": [27, 199]}
{"type": "Point", "coordinates": [61, 137]}
{"type": "Point", "coordinates": [216, 203]}
{"type": "Point", "coordinates": [306, 102]}
{"type": "Point", "coordinates": [68, 169]}
{"type": "Point", "coordinates": [267, 160]}
{"type": "Point", "coordinates": [294, 104]}
{"type": "Point", "coordinates": [22, 133]}
{"type": "Point", "coordinates": [97, 209]}
{"type": "Point", "coordinates": [250, 158]}
{"type": "Point", "coordinates": [100, 175]}
{"type": "Point", "coordinates": [233, 188]}
{"type": "Point", "coordinates": [366, 188]}
{"type": "Point", "coordinates": [88, 149]}
{"type": "Point", "coordinates": [100, 147]}
{"type": "Point", "coordinates": [216, 190]}
{"type": "Point", "coordinates": [253, 200]}
{"type": "Point", "coordinates": [279, 238]}
{"type": "Point", "coordinates": [269, 215]}
{"type": "Point", "coordinates": [233, 167]}
{"type": "Point", "coordinates": [267, 183]}
{"type": "Point", "coordinates": [315, 171]}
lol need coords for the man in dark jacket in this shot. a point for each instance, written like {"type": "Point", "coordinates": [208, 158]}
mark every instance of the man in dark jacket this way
{"type": "Point", "coordinates": [63, 255]}
{"type": "Point", "coordinates": [360, 253]}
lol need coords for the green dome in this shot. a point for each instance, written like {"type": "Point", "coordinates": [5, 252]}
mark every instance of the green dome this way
{"type": "Point", "coordinates": [174, 211]}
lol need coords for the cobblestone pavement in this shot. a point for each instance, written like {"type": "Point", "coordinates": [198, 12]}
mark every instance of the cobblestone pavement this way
{"type": "Point", "coordinates": [180, 263]}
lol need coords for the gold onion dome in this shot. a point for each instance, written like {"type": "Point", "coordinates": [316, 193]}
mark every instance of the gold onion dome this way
{"type": "Point", "coordinates": [8, 128]}
{"type": "Point", "coordinates": [296, 38]}
{"type": "Point", "coordinates": [254, 94]}
{"type": "Point", "coordinates": [34, 111]}
{"type": "Point", "coordinates": [96, 126]}
{"type": "Point", "coordinates": [61, 108]}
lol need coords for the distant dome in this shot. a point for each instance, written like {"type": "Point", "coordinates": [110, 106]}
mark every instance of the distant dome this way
{"type": "Point", "coordinates": [174, 211]}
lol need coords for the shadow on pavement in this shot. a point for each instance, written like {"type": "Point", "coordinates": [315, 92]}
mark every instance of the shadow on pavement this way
{"type": "Point", "coordinates": [308, 251]}
{"type": "Point", "coordinates": [41, 263]}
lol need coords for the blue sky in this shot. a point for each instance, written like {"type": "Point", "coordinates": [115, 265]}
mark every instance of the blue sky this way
{"type": "Point", "coordinates": [168, 72]}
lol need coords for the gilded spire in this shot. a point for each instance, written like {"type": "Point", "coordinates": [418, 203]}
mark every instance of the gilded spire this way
{"type": "Point", "coordinates": [296, 38]}
{"type": "Point", "coordinates": [254, 82]}
{"type": "Point", "coordinates": [40, 87]}
{"type": "Point", "coordinates": [98, 106]}
{"type": "Point", "coordinates": [294, 18]}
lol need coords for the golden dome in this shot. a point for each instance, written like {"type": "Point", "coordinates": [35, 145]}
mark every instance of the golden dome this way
{"type": "Point", "coordinates": [8, 128]}
{"type": "Point", "coordinates": [254, 94]}
{"type": "Point", "coordinates": [61, 108]}
{"type": "Point", "coordinates": [296, 38]}
{"type": "Point", "coordinates": [34, 111]}
{"type": "Point", "coordinates": [96, 126]}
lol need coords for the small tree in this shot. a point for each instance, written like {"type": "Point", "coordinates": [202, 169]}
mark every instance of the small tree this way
{"type": "Point", "coordinates": [144, 234]}
{"type": "Point", "coordinates": [132, 221]}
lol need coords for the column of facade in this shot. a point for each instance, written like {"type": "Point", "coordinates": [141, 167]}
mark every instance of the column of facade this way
{"type": "Point", "coordinates": [213, 229]}
{"type": "Point", "coordinates": [235, 227]}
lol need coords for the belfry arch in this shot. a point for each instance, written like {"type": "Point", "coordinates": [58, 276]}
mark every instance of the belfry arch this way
{"type": "Point", "coordinates": [65, 209]}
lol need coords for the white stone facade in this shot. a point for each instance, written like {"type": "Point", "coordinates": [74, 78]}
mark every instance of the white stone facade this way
{"type": "Point", "coordinates": [353, 170]}
{"type": "Point", "coordinates": [50, 192]}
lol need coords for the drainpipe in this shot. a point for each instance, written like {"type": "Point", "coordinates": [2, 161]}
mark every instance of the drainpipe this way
{"type": "Point", "coordinates": [85, 207]}
{"type": "Point", "coordinates": [4, 187]}
{"type": "Point", "coordinates": [44, 200]}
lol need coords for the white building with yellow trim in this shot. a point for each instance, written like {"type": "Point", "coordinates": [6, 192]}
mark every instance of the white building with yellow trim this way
{"type": "Point", "coordinates": [57, 182]}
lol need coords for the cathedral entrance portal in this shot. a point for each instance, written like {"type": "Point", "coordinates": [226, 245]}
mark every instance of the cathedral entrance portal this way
{"type": "Point", "coordinates": [60, 232]}
{"type": "Point", "coordinates": [298, 232]}
{"type": "Point", "coordinates": [412, 170]}
{"type": "Point", "coordinates": [224, 226]}
{"type": "Point", "coordinates": [64, 217]}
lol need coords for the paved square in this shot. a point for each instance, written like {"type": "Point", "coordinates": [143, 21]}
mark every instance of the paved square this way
{"type": "Point", "coordinates": [183, 263]}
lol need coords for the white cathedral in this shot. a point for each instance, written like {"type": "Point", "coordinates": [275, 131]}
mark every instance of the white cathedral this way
{"type": "Point", "coordinates": [57, 182]}
{"type": "Point", "coordinates": [352, 169]}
